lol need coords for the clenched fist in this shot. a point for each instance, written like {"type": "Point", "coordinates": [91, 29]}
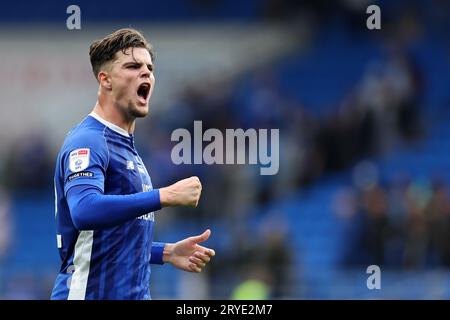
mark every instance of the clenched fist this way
{"type": "Point", "coordinates": [185, 192]}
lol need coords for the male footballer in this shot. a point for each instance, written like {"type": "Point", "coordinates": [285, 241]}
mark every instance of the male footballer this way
{"type": "Point", "coordinates": [104, 197]}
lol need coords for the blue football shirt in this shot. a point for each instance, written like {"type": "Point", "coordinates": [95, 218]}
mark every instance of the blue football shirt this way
{"type": "Point", "coordinates": [114, 262]}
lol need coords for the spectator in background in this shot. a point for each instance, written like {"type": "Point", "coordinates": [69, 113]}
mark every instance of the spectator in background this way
{"type": "Point", "coordinates": [276, 255]}
{"type": "Point", "coordinates": [345, 204]}
{"type": "Point", "coordinates": [438, 215]}
{"type": "Point", "coordinates": [5, 223]}
{"type": "Point", "coordinates": [29, 165]}
{"type": "Point", "coordinates": [376, 226]}
{"type": "Point", "coordinates": [404, 80]}
{"type": "Point", "coordinates": [416, 233]}
{"type": "Point", "coordinates": [255, 285]}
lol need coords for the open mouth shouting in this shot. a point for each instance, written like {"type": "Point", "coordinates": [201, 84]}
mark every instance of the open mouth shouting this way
{"type": "Point", "coordinates": [143, 92]}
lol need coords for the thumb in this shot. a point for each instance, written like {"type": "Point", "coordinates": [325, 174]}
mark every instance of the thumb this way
{"type": "Point", "coordinates": [203, 237]}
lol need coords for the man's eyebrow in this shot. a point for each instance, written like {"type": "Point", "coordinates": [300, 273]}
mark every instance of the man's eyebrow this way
{"type": "Point", "coordinates": [130, 63]}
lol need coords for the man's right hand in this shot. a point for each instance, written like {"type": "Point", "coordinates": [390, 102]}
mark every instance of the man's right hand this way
{"type": "Point", "coordinates": [185, 192]}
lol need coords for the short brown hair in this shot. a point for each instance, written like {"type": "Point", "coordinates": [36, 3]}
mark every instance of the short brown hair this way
{"type": "Point", "coordinates": [104, 50]}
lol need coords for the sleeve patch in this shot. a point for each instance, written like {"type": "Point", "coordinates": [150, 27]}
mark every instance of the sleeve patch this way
{"type": "Point", "coordinates": [83, 174]}
{"type": "Point", "coordinates": [79, 159]}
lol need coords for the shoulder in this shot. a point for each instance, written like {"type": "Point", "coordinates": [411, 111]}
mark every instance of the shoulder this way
{"type": "Point", "coordinates": [89, 133]}
{"type": "Point", "coordinates": [86, 141]}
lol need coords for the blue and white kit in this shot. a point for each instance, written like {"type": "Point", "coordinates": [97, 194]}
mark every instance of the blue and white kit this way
{"type": "Point", "coordinates": [105, 205]}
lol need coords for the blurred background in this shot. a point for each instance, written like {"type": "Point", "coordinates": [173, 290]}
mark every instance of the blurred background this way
{"type": "Point", "coordinates": [364, 117]}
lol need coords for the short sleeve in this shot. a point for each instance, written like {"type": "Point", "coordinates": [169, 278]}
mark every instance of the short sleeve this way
{"type": "Point", "coordinates": [85, 161]}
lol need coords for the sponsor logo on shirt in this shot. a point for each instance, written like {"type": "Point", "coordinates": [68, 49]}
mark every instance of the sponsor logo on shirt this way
{"type": "Point", "coordinates": [149, 217]}
{"type": "Point", "coordinates": [146, 187]}
{"type": "Point", "coordinates": [140, 165]}
{"type": "Point", "coordinates": [130, 165]}
{"type": "Point", "coordinates": [79, 159]}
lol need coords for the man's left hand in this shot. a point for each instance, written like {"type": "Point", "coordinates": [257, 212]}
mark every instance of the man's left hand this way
{"type": "Point", "coordinates": [187, 254]}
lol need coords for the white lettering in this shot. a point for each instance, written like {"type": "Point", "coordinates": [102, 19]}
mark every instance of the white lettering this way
{"type": "Point", "coordinates": [74, 20]}
{"type": "Point", "coordinates": [237, 142]}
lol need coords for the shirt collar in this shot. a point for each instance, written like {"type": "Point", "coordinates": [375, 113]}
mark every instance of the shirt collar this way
{"type": "Point", "coordinates": [110, 125]}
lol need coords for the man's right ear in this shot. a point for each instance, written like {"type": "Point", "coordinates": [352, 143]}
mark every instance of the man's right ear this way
{"type": "Point", "coordinates": [104, 79]}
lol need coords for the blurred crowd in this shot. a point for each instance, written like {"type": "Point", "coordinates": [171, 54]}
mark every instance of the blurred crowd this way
{"type": "Point", "coordinates": [403, 224]}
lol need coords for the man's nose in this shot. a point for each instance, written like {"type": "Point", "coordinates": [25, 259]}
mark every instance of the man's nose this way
{"type": "Point", "coordinates": [145, 73]}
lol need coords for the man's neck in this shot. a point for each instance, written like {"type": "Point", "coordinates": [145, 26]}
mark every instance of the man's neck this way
{"type": "Point", "coordinates": [113, 116]}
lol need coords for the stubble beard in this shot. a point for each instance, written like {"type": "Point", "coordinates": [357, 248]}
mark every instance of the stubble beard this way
{"type": "Point", "coordinates": [137, 112]}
